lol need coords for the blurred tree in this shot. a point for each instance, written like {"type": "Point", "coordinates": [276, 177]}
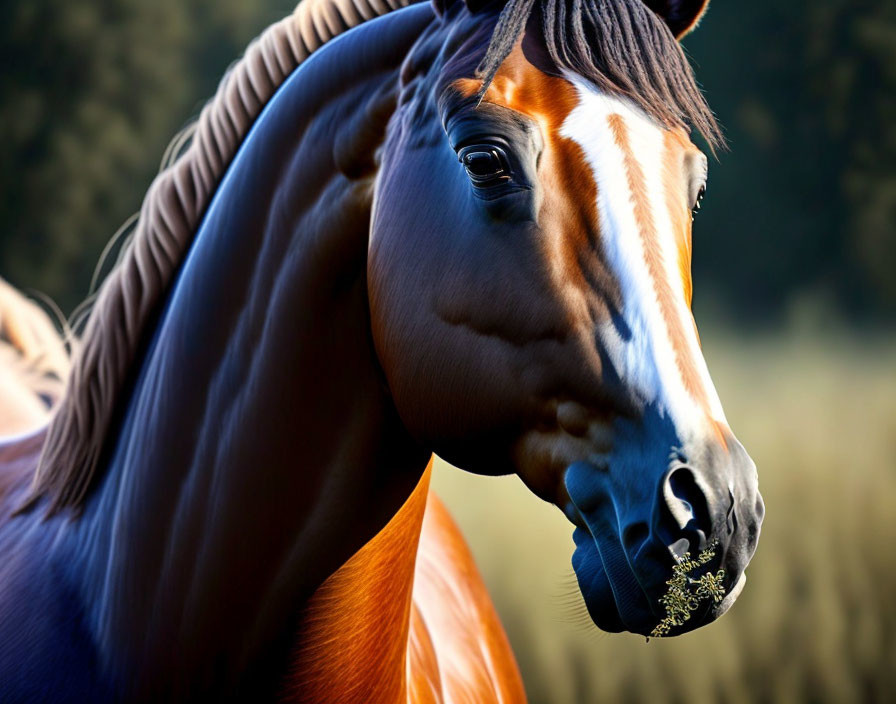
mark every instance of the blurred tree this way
{"type": "Point", "coordinates": [863, 121]}
{"type": "Point", "coordinates": [91, 94]}
{"type": "Point", "coordinates": [804, 206]}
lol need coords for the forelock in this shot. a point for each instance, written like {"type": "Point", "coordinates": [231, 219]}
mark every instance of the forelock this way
{"type": "Point", "coordinates": [621, 46]}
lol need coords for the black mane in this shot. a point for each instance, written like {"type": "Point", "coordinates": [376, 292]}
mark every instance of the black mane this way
{"type": "Point", "coordinates": [621, 46]}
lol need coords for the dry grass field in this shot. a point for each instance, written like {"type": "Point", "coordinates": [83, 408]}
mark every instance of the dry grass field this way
{"type": "Point", "coordinates": [817, 620]}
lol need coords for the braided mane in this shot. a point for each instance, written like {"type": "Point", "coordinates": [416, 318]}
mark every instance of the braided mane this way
{"type": "Point", "coordinates": [169, 218]}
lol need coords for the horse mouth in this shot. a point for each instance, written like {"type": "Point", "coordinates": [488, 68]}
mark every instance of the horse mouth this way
{"type": "Point", "coordinates": [619, 598]}
{"type": "Point", "coordinates": [613, 595]}
{"type": "Point", "coordinates": [731, 596]}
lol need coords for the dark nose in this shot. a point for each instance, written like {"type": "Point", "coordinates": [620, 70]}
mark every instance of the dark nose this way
{"type": "Point", "coordinates": [696, 508]}
{"type": "Point", "coordinates": [717, 506]}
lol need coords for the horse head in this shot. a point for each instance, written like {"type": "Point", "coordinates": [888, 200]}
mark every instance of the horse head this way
{"type": "Point", "coordinates": [530, 287]}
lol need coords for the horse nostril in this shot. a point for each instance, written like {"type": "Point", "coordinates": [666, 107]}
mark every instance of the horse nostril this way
{"type": "Point", "coordinates": [687, 499]}
{"type": "Point", "coordinates": [687, 504]}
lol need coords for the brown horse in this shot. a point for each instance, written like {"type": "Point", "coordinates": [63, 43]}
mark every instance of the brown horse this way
{"type": "Point", "coordinates": [373, 250]}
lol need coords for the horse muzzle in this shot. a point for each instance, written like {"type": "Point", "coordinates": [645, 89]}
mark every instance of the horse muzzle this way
{"type": "Point", "coordinates": [666, 561]}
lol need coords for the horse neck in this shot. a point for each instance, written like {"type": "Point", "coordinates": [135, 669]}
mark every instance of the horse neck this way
{"type": "Point", "coordinates": [258, 449]}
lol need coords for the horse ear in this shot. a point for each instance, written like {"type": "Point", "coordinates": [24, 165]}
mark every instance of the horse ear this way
{"type": "Point", "coordinates": [681, 15]}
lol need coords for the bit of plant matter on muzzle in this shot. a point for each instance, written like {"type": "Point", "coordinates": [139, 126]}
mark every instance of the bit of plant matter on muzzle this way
{"type": "Point", "coordinates": [686, 593]}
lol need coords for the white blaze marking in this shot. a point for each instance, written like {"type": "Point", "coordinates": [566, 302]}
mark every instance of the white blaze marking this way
{"type": "Point", "coordinates": [646, 361]}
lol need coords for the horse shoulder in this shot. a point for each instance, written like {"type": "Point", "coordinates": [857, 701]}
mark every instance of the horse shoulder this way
{"type": "Point", "coordinates": [406, 619]}
{"type": "Point", "coordinates": [352, 634]}
{"type": "Point", "coordinates": [454, 625]}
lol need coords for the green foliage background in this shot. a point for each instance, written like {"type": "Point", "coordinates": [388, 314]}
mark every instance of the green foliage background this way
{"type": "Point", "coordinates": [803, 208]}
{"type": "Point", "coordinates": [91, 92]}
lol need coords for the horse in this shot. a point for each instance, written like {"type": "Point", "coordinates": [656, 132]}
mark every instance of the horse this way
{"type": "Point", "coordinates": [33, 364]}
{"type": "Point", "coordinates": [33, 367]}
{"type": "Point", "coordinates": [459, 228]}
{"type": "Point", "coordinates": [450, 638]}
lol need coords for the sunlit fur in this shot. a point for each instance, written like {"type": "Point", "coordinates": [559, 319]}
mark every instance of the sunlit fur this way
{"type": "Point", "coordinates": [422, 609]}
{"type": "Point", "coordinates": [644, 221]}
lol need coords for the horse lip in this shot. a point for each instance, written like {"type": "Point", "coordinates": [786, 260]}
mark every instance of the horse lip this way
{"type": "Point", "coordinates": [636, 611]}
{"type": "Point", "coordinates": [631, 603]}
{"type": "Point", "coordinates": [732, 595]}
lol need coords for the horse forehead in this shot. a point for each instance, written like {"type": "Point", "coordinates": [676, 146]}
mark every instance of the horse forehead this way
{"type": "Point", "coordinates": [521, 86]}
{"type": "Point", "coordinates": [549, 99]}
{"type": "Point", "coordinates": [577, 122]}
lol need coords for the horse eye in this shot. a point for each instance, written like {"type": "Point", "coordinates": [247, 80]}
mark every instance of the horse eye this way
{"type": "Point", "coordinates": [483, 164]}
